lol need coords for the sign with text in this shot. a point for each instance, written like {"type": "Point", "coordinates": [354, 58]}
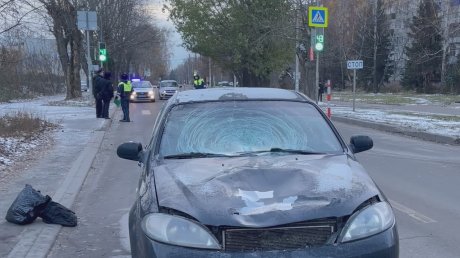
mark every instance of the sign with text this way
{"type": "Point", "coordinates": [354, 64]}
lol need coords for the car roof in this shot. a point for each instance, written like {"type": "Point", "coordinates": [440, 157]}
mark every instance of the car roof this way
{"type": "Point", "coordinates": [168, 81]}
{"type": "Point", "coordinates": [237, 93]}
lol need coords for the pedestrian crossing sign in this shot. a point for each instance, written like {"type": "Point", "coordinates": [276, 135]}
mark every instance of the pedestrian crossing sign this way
{"type": "Point", "coordinates": [317, 17]}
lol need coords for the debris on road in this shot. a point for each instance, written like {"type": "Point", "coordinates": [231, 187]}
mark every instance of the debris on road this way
{"type": "Point", "coordinates": [30, 204]}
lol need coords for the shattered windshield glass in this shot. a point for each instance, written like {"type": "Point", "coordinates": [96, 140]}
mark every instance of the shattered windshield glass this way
{"type": "Point", "coordinates": [245, 127]}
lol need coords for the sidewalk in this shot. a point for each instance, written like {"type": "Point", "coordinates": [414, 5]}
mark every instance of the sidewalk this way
{"type": "Point", "coordinates": [58, 171]}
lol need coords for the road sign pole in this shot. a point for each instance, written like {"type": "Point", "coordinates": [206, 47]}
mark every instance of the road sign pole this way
{"type": "Point", "coordinates": [354, 89]}
{"type": "Point", "coordinates": [317, 77]}
{"type": "Point", "coordinates": [88, 57]}
{"type": "Point", "coordinates": [297, 24]}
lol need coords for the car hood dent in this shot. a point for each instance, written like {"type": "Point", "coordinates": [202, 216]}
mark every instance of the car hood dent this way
{"type": "Point", "coordinates": [265, 190]}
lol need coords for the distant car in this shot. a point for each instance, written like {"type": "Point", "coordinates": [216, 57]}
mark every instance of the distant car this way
{"type": "Point", "coordinates": [224, 84]}
{"type": "Point", "coordinates": [254, 172]}
{"type": "Point", "coordinates": [168, 88]}
{"type": "Point", "coordinates": [143, 91]}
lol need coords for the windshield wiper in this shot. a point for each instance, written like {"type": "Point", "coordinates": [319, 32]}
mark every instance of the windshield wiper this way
{"type": "Point", "coordinates": [280, 150]}
{"type": "Point", "coordinates": [192, 155]}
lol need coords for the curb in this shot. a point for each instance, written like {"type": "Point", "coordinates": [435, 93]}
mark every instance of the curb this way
{"type": "Point", "coordinates": [399, 130]}
{"type": "Point", "coordinates": [39, 238]}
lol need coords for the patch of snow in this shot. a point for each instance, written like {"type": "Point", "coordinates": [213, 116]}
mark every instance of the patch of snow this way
{"type": "Point", "coordinates": [75, 114]}
{"type": "Point", "coordinates": [415, 122]}
{"type": "Point", "coordinates": [420, 101]}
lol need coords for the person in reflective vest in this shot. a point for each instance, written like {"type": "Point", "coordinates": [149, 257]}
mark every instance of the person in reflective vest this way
{"type": "Point", "coordinates": [198, 83]}
{"type": "Point", "coordinates": [124, 93]}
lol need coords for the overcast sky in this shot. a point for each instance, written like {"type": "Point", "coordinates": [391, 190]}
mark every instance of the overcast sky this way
{"type": "Point", "coordinates": [178, 53]}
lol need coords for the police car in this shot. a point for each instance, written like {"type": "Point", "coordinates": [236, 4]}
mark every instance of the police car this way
{"type": "Point", "coordinates": [143, 91]}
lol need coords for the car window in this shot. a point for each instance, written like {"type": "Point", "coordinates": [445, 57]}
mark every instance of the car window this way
{"type": "Point", "coordinates": [168, 84]}
{"type": "Point", "coordinates": [144, 84]}
{"type": "Point", "coordinates": [236, 127]}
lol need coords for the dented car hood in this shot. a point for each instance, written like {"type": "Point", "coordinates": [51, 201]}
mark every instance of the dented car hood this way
{"type": "Point", "coordinates": [263, 191]}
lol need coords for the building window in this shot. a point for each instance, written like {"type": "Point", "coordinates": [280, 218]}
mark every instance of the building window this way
{"type": "Point", "coordinates": [393, 16]}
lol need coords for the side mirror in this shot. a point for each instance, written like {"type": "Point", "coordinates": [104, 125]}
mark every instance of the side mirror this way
{"type": "Point", "coordinates": [130, 150]}
{"type": "Point", "coordinates": [360, 143]}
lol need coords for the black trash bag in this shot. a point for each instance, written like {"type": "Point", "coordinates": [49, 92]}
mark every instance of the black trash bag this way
{"type": "Point", "coordinates": [55, 213]}
{"type": "Point", "coordinates": [27, 206]}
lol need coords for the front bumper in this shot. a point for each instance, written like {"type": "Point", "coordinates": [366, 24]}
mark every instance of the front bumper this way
{"type": "Point", "coordinates": [385, 245]}
{"type": "Point", "coordinates": [142, 97]}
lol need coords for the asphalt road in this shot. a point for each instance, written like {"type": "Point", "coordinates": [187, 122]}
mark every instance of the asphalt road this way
{"type": "Point", "coordinates": [108, 192]}
{"type": "Point", "coordinates": [420, 178]}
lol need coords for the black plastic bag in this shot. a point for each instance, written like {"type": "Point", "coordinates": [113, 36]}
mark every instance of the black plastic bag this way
{"type": "Point", "coordinates": [55, 213]}
{"type": "Point", "coordinates": [27, 206]}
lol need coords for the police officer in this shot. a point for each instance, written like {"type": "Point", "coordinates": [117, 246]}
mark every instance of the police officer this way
{"type": "Point", "coordinates": [124, 92]}
{"type": "Point", "coordinates": [198, 83]}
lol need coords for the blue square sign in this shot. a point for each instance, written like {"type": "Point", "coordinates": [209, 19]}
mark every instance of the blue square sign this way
{"type": "Point", "coordinates": [317, 17]}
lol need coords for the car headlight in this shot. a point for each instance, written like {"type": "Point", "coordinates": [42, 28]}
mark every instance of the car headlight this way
{"type": "Point", "coordinates": [178, 231]}
{"type": "Point", "coordinates": [151, 92]}
{"type": "Point", "coordinates": [371, 220]}
{"type": "Point", "coordinates": [134, 93]}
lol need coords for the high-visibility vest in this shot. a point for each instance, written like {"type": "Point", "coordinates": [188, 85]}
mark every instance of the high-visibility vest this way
{"type": "Point", "coordinates": [127, 87]}
{"type": "Point", "coordinates": [198, 82]}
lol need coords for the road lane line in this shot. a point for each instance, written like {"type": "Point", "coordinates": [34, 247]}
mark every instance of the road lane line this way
{"type": "Point", "coordinates": [146, 112]}
{"type": "Point", "coordinates": [413, 214]}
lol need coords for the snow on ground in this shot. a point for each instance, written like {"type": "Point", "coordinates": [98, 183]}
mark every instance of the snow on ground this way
{"type": "Point", "coordinates": [420, 101]}
{"type": "Point", "coordinates": [66, 114]}
{"type": "Point", "coordinates": [412, 121]}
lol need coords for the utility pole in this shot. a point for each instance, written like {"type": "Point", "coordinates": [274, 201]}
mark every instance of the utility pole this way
{"type": "Point", "coordinates": [297, 73]}
{"type": "Point", "coordinates": [374, 68]}
{"type": "Point", "coordinates": [88, 53]}
{"type": "Point", "coordinates": [210, 73]}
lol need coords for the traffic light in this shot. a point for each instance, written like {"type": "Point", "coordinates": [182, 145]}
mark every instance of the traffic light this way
{"type": "Point", "coordinates": [319, 42]}
{"type": "Point", "coordinates": [102, 52]}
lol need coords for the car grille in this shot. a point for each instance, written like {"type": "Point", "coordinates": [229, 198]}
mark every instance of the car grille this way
{"type": "Point", "coordinates": [276, 238]}
{"type": "Point", "coordinates": [170, 92]}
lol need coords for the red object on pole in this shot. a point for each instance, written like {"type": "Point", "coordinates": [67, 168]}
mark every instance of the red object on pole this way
{"type": "Point", "coordinates": [312, 54]}
{"type": "Point", "coordinates": [328, 98]}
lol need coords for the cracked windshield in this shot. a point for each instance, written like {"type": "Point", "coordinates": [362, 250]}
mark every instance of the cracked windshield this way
{"type": "Point", "coordinates": [229, 128]}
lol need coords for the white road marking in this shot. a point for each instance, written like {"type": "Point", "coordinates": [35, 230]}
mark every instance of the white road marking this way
{"type": "Point", "coordinates": [146, 112]}
{"type": "Point", "coordinates": [124, 232]}
{"type": "Point", "coordinates": [413, 214]}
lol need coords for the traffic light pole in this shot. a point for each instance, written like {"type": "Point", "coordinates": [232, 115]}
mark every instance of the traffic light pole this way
{"type": "Point", "coordinates": [88, 56]}
{"type": "Point", "coordinates": [317, 77]}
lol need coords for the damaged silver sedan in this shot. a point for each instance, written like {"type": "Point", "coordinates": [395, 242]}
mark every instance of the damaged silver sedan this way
{"type": "Point", "coordinates": [252, 172]}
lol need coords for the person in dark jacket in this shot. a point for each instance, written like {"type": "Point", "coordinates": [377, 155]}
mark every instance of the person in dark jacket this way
{"type": "Point", "coordinates": [320, 92]}
{"type": "Point", "coordinates": [107, 94]}
{"type": "Point", "coordinates": [98, 85]}
{"type": "Point", "coordinates": [124, 91]}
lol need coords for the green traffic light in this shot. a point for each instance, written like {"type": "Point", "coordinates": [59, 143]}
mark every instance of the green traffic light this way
{"type": "Point", "coordinates": [102, 55]}
{"type": "Point", "coordinates": [319, 46]}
